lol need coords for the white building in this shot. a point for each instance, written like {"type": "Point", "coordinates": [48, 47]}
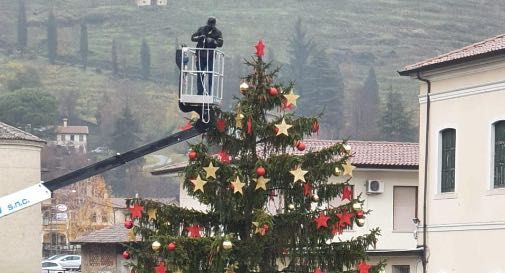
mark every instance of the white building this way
{"type": "Point", "coordinates": [462, 158]}
{"type": "Point", "coordinates": [395, 166]}
{"type": "Point", "coordinates": [72, 136]}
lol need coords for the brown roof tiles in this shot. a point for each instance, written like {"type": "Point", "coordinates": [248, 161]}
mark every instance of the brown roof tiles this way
{"type": "Point", "coordinates": [8, 132]}
{"type": "Point", "coordinates": [491, 46]}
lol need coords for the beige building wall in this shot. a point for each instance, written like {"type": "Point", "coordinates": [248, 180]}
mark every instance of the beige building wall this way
{"type": "Point", "coordinates": [466, 229]}
{"type": "Point", "coordinates": [21, 232]}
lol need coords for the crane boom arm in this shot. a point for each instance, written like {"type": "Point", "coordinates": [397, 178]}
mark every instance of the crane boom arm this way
{"type": "Point", "coordinates": [42, 191]}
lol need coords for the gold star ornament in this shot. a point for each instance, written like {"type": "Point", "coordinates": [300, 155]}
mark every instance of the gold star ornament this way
{"type": "Point", "coordinates": [211, 171]}
{"type": "Point", "coordinates": [348, 167]}
{"type": "Point", "coordinates": [299, 174]}
{"type": "Point", "coordinates": [237, 186]}
{"type": "Point", "coordinates": [152, 213]}
{"type": "Point", "coordinates": [291, 98]}
{"type": "Point", "coordinates": [283, 128]}
{"type": "Point", "coordinates": [198, 183]}
{"type": "Point", "coordinates": [261, 183]}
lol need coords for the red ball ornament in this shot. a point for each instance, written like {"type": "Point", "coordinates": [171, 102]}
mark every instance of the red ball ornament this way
{"type": "Point", "coordinates": [220, 125]}
{"type": "Point", "coordinates": [126, 255]}
{"type": "Point", "coordinates": [360, 214]}
{"type": "Point", "coordinates": [260, 171]}
{"type": "Point", "coordinates": [315, 127]}
{"type": "Point", "coordinates": [128, 223]}
{"type": "Point", "coordinates": [171, 246]}
{"type": "Point", "coordinates": [276, 130]}
{"type": "Point", "coordinates": [192, 155]}
{"type": "Point", "coordinates": [300, 146]}
{"type": "Point", "coordinates": [272, 91]}
{"type": "Point", "coordinates": [265, 228]}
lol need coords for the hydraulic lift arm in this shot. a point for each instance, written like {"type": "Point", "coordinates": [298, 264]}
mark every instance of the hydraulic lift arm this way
{"type": "Point", "coordinates": [42, 191]}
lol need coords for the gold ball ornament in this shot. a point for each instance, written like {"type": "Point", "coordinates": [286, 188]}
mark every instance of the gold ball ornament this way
{"type": "Point", "coordinates": [156, 246]}
{"type": "Point", "coordinates": [244, 87]}
{"type": "Point", "coordinates": [360, 222]}
{"type": "Point", "coordinates": [227, 245]}
{"type": "Point", "coordinates": [337, 172]}
{"type": "Point", "coordinates": [291, 207]}
{"type": "Point", "coordinates": [357, 206]}
{"type": "Point", "coordinates": [315, 198]}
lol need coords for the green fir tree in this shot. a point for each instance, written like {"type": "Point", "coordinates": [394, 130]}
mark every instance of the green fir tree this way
{"type": "Point", "coordinates": [396, 122]}
{"type": "Point", "coordinates": [145, 60]}
{"type": "Point", "coordinates": [365, 109]}
{"type": "Point", "coordinates": [256, 161]}
{"type": "Point", "coordinates": [52, 38]}
{"type": "Point", "coordinates": [114, 61]}
{"type": "Point", "coordinates": [83, 48]}
{"type": "Point", "coordinates": [22, 41]}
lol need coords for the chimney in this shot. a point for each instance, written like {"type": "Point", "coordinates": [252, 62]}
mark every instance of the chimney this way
{"type": "Point", "coordinates": [65, 122]}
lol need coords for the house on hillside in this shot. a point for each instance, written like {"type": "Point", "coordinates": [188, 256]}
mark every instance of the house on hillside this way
{"type": "Point", "coordinates": [462, 160]}
{"type": "Point", "coordinates": [72, 136]}
{"type": "Point", "coordinates": [387, 173]}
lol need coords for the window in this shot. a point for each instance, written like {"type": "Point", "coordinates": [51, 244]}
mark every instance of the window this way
{"type": "Point", "coordinates": [401, 268]}
{"type": "Point", "coordinates": [93, 217]}
{"type": "Point", "coordinates": [448, 158]}
{"type": "Point", "coordinates": [104, 219]}
{"type": "Point", "coordinates": [404, 208]}
{"type": "Point", "coordinates": [81, 138]}
{"type": "Point", "coordinates": [72, 137]}
{"type": "Point", "coordinates": [499, 154]}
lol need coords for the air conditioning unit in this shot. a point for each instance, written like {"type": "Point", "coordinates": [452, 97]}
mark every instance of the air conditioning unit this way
{"type": "Point", "coordinates": [374, 186]}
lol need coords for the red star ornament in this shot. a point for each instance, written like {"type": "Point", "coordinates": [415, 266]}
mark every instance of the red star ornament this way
{"type": "Point", "coordinates": [160, 268]}
{"type": "Point", "coordinates": [318, 270]}
{"type": "Point", "coordinates": [347, 193]}
{"type": "Point", "coordinates": [363, 267]}
{"type": "Point", "coordinates": [307, 189]}
{"type": "Point", "coordinates": [321, 220]}
{"type": "Point", "coordinates": [224, 157]}
{"type": "Point", "coordinates": [186, 126]}
{"type": "Point", "coordinates": [194, 231]}
{"type": "Point", "coordinates": [344, 219]}
{"type": "Point", "coordinates": [260, 49]}
{"type": "Point", "coordinates": [136, 211]}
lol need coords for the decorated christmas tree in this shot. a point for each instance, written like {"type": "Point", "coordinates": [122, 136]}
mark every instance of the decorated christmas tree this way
{"type": "Point", "coordinates": [257, 161]}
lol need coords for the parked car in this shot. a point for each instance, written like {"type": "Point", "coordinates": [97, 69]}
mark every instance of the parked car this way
{"type": "Point", "coordinates": [54, 257]}
{"type": "Point", "coordinates": [66, 261]}
{"type": "Point", "coordinates": [52, 267]}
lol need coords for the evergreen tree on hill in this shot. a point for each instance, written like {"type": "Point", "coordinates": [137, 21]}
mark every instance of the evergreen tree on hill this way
{"type": "Point", "coordinates": [114, 61]}
{"type": "Point", "coordinates": [365, 109]}
{"type": "Point", "coordinates": [22, 38]}
{"type": "Point", "coordinates": [83, 48]}
{"type": "Point", "coordinates": [52, 38]}
{"type": "Point", "coordinates": [396, 122]}
{"type": "Point", "coordinates": [145, 60]}
{"type": "Point", "coordinates": [126, 131]}
{"type": "Point", "coordinates": [324, 93]}
{"type": "Point", "coordinates": [300, 49]}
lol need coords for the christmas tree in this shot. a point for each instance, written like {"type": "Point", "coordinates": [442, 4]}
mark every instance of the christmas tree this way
{"type": "Point", "coordinates": [258, 160]}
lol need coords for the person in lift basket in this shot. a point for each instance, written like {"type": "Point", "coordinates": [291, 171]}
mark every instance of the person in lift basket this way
{"type": "Point", "coordinates": [207, 36]}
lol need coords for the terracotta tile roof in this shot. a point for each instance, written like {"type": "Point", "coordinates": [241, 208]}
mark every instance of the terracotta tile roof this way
{"type": "Point", "coordinates": [72, 130]}
{"type": "Point", "coordinates": [367, 154]}
{"type": "Point", "coordinates": [491, 46]}
{"type": "Point", "coordinates": [111, 234]}
{"type": "Point", "coordinates": [8, 132]}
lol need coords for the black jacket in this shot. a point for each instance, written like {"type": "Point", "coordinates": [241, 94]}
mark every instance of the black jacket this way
{"type": "Point", "coordinates": [208, 37]}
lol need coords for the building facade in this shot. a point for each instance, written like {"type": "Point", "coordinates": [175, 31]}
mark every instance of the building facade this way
{"type": "Point", "coordinates": [394, 168]}
{"type": "Point", "coordinates": [72, 136]}
{"type": "Point", "coordinates": [21, 232]}
{"type": "Point", "coordinates": [462, 159]}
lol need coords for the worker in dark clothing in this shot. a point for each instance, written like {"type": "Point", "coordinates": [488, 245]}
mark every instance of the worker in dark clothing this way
{"type": "Point", "coordinates": [207, 37]}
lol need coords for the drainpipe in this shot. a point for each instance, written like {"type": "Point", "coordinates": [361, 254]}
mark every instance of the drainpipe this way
{"type": "Point", "coordinates": [425, 192]}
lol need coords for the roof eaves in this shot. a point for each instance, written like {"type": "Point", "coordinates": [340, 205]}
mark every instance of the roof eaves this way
{"type": "Point", "coordinates": [410, 71]}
